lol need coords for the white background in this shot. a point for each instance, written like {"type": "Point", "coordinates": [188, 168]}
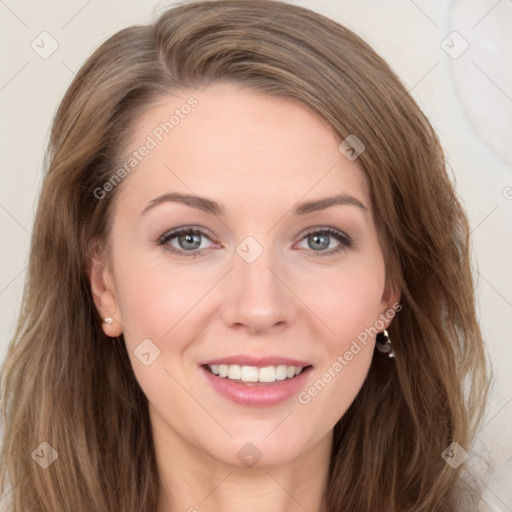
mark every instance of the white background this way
{"type": "Point", "coordinates": [407, 34]}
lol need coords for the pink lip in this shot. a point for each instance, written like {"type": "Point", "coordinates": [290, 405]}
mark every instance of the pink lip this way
{"type": "Point", "coordinates": [244, 360]}
{"type": "Point", "coordinates": [257, 394]}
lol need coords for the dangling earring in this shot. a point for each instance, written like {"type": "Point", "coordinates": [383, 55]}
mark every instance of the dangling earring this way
{"type": "Point", "coordinates": [386, 347]}
{"type": "Point", "coordinates": [108, 320]}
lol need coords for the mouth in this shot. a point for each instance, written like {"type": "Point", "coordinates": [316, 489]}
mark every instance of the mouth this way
{"type": "Point", "coordinates": [255, 374]}
{"type": "Point", "coordinates": [256, 386]}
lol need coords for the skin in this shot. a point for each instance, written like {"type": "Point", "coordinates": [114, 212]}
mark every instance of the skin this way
{"type": "Point", "coordinates": [258, 156]}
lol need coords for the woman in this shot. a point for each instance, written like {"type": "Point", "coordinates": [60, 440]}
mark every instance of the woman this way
{"type": "Point", "coordinates": [315, 348]}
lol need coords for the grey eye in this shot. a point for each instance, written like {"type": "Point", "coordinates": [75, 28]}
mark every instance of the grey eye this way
{"type": "Point", "coordinates": [189, 241]}
{"type": "Point", "coordinates": [318, 242]}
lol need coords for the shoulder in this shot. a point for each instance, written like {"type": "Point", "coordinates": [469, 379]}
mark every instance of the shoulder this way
{"type": "Point", "coordinates": [497, 495]}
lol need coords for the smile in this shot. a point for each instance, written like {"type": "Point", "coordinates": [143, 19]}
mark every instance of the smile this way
{"type": "Point", "coordinates": [266, 386]}
{"type": "Point", "coordinates": [264, 374]}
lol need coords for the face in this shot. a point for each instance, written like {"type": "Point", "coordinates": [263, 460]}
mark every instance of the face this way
{"type": "Point", "coordinates": [252, 275]}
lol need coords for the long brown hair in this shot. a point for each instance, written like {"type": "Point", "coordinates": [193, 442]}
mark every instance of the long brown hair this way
{"type": "Point", "coordinates": [66, 384]}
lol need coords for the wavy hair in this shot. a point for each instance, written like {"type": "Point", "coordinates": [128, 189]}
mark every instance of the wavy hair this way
{"type": "Point", "coordinates": [65, 384]}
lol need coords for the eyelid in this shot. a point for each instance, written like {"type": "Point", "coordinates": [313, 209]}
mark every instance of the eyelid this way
{"type": "Point", "coordinates": [324, 229]}
{"type": "Point", "coordinates": [162, 240]}
{"type": "Point", "coordinates": [344, 240]}
{"type": "Point", "coordinates": [178, 230]}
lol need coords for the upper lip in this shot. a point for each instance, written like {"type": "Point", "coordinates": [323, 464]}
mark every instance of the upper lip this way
{"type": "Point", "coordinates": [247, 360]}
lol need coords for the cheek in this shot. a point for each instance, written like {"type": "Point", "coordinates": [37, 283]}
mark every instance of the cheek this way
{"type": "Point", "coordinates": [154, 296]}
{"type": "Point", "coordinates": [348, 304]}
{"type": "Point", "coordinates": [154, 303]}
{"type": "Point", "coordinates": [335, 388]}
{"type": "Point", "coordinates": [347, 300]}
{"type": "Point", "coordinates": [349, 311]}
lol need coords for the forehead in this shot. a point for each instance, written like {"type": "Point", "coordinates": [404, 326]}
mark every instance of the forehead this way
{"type": "Point", "coordinates": [237, 143]}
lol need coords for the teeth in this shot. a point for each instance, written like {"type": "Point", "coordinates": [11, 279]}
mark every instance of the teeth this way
{"type": "Point", "coordinates": [255, 374]}
{"type": "Point", "coordinates": [234, 372]}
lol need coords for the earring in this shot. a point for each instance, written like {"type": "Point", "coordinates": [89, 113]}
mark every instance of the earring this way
{"type": "Point", "coordinates": [386, 347]}
{"type": "Point", "coordinates": [108, 320]}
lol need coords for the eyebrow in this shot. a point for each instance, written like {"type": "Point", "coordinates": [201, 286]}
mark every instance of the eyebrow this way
{"type": "Point", "coordinates": [212, 207]}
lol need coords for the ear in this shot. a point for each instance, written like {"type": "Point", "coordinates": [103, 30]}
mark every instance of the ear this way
{"type": "Point", "coordinates": [390, 303]}
{"type": "Point", "coordinates": [103, 290]}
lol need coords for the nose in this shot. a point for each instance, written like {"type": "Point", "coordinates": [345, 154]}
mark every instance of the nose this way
{"type": "Point", "coordinates": [257, 297]}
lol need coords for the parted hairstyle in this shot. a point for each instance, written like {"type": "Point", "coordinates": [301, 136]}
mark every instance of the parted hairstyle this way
{"type": "Point", "coordinates": [65, 383]}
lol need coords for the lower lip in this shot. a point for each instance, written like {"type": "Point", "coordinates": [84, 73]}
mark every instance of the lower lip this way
{"type": "Point", "coordinates": [256, 394]}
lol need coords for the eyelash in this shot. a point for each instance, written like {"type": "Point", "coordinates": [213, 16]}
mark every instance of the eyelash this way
{"type": "Point", "coordinates": [345, 241]}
